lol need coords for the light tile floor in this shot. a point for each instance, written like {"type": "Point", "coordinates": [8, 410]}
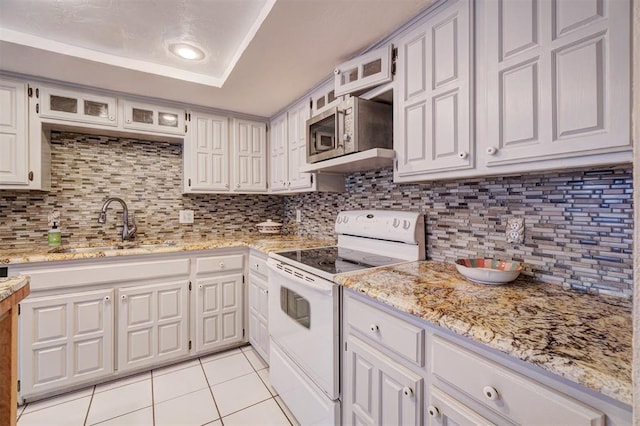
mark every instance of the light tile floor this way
{"type": "Point", "coordinates": [225, 389]}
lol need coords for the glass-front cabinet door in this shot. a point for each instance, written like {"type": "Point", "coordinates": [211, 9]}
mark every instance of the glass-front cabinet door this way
{"type": "Point", "coordinates": [70, 105]}
{"type": "Point", "coordinates": [153, 118]}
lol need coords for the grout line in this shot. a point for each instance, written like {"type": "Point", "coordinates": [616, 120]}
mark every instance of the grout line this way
{"type": "Point", "coordinates": [249, 406]}
{"type": "Point", "coordinates": [86, 416]}
{"type": "Point", "coordinates": [211, 392]}
{"type": "Point", "coordinates": [283, 412]}
{"type": "Point", "coordinates": [153, 402]}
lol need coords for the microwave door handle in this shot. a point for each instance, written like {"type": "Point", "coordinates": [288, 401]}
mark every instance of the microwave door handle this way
{"type": "Point", "coordinates": [339, 141]}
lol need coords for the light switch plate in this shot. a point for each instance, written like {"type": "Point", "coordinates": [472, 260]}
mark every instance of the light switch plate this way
{"type": "Point", "coordinates": [515, 230]}
{"type": "Point", "coordinates": [186, 216]}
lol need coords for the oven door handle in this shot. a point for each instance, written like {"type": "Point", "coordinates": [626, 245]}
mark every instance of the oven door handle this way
{"type": "Point", "coordinates": [296, 275]}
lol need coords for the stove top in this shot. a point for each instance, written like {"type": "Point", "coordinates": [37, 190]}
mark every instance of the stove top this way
{"type": "Point", "coordinates": [328, 261]}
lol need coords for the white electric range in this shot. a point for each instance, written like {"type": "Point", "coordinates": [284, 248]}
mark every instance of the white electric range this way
{"type": "Point", "coordinates": [304, 305]}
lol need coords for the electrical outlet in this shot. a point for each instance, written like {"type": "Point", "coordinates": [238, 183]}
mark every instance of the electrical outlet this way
{"type": "Point", "coordinates": [515, 230]}
{"type": "Point", "coordinates": [186, 216]}
{"type": "Point", "coordinates": [298, 215]}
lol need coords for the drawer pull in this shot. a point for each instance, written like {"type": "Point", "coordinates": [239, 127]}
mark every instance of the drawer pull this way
{"type": "Point", "coordinates": [407, 391]}
{"type": "Point", "coordinates": [200, 286]}
{"type": "Point", "coordinates": [492, 150]}
{"type": "Point", "coordinates": [107, 298]}
{"type": "Point", "coordinates": [123, 297]}
{"type": "Point", "coordinates": [221, 265]}
{"type": "Point", "coordinates": [433, 411]}
{"type": "Point", "coordinates": [374, 328]}
{"type": "Point", "coordinates": [491, 393]}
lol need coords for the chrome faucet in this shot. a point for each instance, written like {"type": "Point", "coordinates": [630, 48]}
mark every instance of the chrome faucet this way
{"type": "Point", "coordinates": [128, 233]}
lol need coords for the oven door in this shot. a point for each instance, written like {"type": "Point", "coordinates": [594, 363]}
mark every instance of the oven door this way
{"type": "Point", "coordinates": [304, 323]}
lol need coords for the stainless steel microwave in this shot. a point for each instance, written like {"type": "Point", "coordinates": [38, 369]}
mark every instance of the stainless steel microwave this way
{"type": "Point", "coordinates": [354, 125]}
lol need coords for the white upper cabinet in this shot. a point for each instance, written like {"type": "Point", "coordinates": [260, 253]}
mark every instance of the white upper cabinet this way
{"type": "Point", "coordinates": [364, 72]}
{"type": "Point", "coordinates": [324, 98]}
{"type": "Point", "coordinates": [153, 118]}
{"type": "Point", "coordinates": [249, 155]}
{"type": "Point", "coordinates": [279, 160]}
{"type": "Point", "coordinates": [297, 147]}
{"type": "Point", "coordinates": [288, 140]}
{"type": "Point", "coordinates": [557, 79]}
{"type": "Point", "coordinates": [206, 153]}
{"type": "Point", "coordinates": [78, 106]}
{"type": "Point", "coordinates": [14, 142]}
{"type": "Point", "coordinates": [432, 100]}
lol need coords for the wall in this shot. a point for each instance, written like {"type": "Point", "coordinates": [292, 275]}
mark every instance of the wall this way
{"type": "Point", "coordinates": [86, 170]}
{"type": "Point", "coordinates": [578, 224]}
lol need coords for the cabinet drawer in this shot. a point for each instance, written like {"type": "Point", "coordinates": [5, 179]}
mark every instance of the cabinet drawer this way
{"type": "Point", "coordinates": [393, 333]}
{"type": "Point", "coordinates": [208, 265]}
{"type": "Point", "coordinates": [518, 398]}
{"type": "Point", "coordinates": [258, 265]}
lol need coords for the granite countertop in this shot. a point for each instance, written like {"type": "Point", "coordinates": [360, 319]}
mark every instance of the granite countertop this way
{"type": "Point", "coordinates": [262, 242]}
{"type": "Point", "coordinates": [582, 337]}
{"type": "Point", "coordinates": [11, 285]}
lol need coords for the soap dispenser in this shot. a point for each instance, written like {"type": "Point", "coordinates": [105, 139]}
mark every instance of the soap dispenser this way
{"type": "Point", "coordinates": [54, 236]}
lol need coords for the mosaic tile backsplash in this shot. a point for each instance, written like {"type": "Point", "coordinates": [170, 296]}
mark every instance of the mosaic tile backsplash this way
{"type": "Point", "coordinates": [578, 225]}
{"type": "Point", "coordinates": [87, 169]}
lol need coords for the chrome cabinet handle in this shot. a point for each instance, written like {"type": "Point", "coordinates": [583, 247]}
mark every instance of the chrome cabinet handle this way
{"type": "Point", "coordinates": [492, 150]}
{"type": "Point", "coordinates": [463, 155]}
{"type": "Point", "coordinates": [107, 299]}
{"type": "Point", "coordinates": [123, 297]}
{"type": "Point", "coordinates": [200, 286]}
{"type": "Point", "coordinates": [407, 391]}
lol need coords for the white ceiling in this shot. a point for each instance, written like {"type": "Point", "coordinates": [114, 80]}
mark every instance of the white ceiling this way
{"type": "Point", "coordinates": [261, 54]}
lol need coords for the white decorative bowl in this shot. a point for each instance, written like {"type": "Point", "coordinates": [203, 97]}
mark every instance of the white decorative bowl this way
{"type": "Point", "coordinates": [269, 227]}
{"type": "Point", "coordinates": [489, 271]}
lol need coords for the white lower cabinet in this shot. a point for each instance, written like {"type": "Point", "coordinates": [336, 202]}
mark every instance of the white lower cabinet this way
{"type": "Point", "coordinates": [459, 383]}
{"type": "Point", "coordinates": [153, 324]}
{"type": "Point", "coordinates": [378, 390]}
{"type": "Point", "coordinates": [258, 305]}
{"type": "Point", "coordinates": [218, 311]}
{"type": "Point", "coordinates": [218, 301]}
{"type": "Point", "coordinates": [92, 320]}
{"type": "Point", "coordinates": [65, 339]}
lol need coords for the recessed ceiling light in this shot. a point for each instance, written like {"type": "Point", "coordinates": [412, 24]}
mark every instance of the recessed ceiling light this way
{"type": "Point", "coordinates": [186, 51]}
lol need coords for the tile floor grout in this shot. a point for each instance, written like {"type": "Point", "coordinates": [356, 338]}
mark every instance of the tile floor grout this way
{"type": "Point", "coordinates": [254, 361]}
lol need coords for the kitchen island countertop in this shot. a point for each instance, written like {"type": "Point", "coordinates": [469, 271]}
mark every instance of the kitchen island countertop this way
{"type": "Point", "coordinates": [261, 242]}
{"type": "Point", "coordinates": [11, 285]}
{"type": "Point", "coordinates": [584, 338]}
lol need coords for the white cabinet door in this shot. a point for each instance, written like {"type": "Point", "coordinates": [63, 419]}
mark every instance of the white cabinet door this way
{"type": "Point", "coordinates": [81, 107]}
{"type": "Point", "coordinates": [557, 79]}
{"type": "Point", "coordinates": [258, 315]}
{"type": "Point", "coordinates": [297, 137]}
{"type": "Point", "coordinates": [206, 153]}
{"type": "Point", "coordinates": [13, 133]}
{"type": "Point", "coordinates": [153, 324]}
{"type": "Point", "coordinates": [279, 165]}
{"type": "Point", "coordinates": [432, 103]}
{"type": "Point", "coordinates": [324, 98]}
{"type": "Point", "coordinates": [364, 72]}
{"type": "Point", "coordinates": [65, 340]}
{"type": "Point", "coordinates": [153, 118]}
{"type": "Point", "coordinates": [377, 390]}
{"type": "Point", "coordinates": [249, 147]}
{"type": "Point", "coordinates": [218, 311]}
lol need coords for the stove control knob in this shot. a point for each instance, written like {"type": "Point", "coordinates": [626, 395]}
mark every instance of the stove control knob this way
{"type": "Point", "coordinates": [374, 328]}
{"type": "Point", "coordinates": [396, 223]}
{"type": "Point", "coordinates": [406, 224]}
